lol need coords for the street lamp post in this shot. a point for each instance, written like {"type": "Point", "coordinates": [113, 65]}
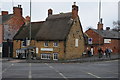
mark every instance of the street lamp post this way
{"type": "Point", "coordinates": [8, 44]}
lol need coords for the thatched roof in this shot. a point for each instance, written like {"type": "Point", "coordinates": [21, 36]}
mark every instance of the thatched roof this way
{"type": "Point", "coordinates": [24, 31]}
{"type": "Point", "coordinates": [56, 27]}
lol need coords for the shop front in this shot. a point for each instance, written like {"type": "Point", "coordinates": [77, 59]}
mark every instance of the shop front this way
{"type": "Point", "coordinates": [48, 54]}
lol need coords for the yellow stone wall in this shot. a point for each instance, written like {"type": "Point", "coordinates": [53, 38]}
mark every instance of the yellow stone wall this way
{"type": "Point", "coordinates": [16, 45]}
{"type": "Point", "coordinates": [75, 33]}
{"type": "Point", "coordinates": [59, 49]}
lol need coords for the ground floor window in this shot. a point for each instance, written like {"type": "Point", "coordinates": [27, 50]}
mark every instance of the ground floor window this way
{"type": "Point", "coordinates": [45, 56]}
{"type": "Point", "coordinates": [55, 56]}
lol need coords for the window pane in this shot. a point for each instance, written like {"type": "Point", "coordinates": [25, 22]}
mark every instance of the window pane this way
{"type": "Point", "coordinates": [55, 43]}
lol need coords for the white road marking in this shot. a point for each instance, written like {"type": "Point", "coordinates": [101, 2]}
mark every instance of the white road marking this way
{"type": "Point", "coordinates": [63, 76]}
{"type": "Point", "coordinates": [7, 68]}
{"type": "Point", "coordinates": [51, 67]}
{"type": "Point", "coordinates": [93, 75]}
{"type": "Point", "coordinates": [57, 71]}
{"type": "Point", "coordinates": [111, 61]}
{"type": "Point", "coordinates": [46, 63]}
{"type": "Point", "coordinates": [30, 73]}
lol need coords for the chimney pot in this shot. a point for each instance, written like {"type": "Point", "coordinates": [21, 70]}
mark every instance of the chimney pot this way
{"type": "Point", "coordinates": [101, 20]}
{"type": "Point", "coordinates": [50, 12]}
{"type": "Point", "coordinates": [20, 6]}
{"type": "Point", "coordinates": [74, 3]}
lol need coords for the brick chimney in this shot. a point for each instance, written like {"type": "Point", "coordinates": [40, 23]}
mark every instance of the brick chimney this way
{"type": "Point", "coordinates": [4, 13]}
{"type": "Point", "coordinates": [100, 25]}
{"type": "Point", "coordinates": [50, 11]}
{"type": "Point", "coordinates": [17, 11]}
{"type": "Point", "coordinates": [74, 11]}
{"type": "Point", "coordinates": [27, 20]}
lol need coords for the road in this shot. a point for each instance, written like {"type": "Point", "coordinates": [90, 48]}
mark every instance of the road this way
{"type": "Point", "coordinates": [105, 69]}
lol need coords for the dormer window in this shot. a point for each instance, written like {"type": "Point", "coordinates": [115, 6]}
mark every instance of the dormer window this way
{"type": "Point", "coordinates": [46, 44]}
{"type": "Point", "coordinates": [55, 44]}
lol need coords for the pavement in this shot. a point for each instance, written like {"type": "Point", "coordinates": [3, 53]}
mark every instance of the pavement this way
{"type": "Point", "coordinates": [79, 60]}
{"type": "Point", "coordinates": [104, 70]}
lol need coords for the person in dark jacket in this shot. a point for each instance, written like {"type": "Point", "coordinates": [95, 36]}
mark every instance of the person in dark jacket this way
{"type": "Point", "coordinates": [100, 52]}
{"type": "Point", "coordinates": [89, 53]}
{"type": "Point", "coordinates": [106, 52]}
{"type": "Point", "coordinates": [109, 52]}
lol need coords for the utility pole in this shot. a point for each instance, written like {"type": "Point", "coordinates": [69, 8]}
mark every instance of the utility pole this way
{"type": "Point", "coordinates": [30, 20]}
{"type": "Point", "coordinates": [99, 10]}
{"type": "Point", "coordinates": [29, 51]}
{"type": "Point", "coordinates": [99, 24]}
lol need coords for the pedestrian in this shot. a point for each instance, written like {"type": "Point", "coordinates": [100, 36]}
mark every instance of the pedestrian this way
{"type": "Point", "coordinates": [89, 53]}
{"type": "Point", "coordinates": [109, 52]}
{"type": "Point", "coordinates": [100, 52]}
{"type": "Point", "coordinates": [92, 51]}
{"type": "Point", "coordinates": [106, 52]}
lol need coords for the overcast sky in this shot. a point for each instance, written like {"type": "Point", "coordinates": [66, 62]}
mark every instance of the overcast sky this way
{"type": "Point", "coordinates": [88, 10]}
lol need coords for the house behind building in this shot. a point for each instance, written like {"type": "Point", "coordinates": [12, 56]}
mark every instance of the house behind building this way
{"type": "Point", "coordinates": [103, 39]}
{"type": "Point", "coordinates": [9, 25]}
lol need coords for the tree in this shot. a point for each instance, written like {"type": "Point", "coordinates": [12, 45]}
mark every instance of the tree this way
{"type": "Point", "coordinates": [116, 25]}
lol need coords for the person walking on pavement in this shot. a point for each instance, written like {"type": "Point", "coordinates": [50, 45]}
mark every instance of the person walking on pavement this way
{"type": "Point", "coordinates": [100, 52]}
{"type": "Point", "coordinates": [109, 52]}
{"type": "Point", "coordinates": [89, 53]}
{"type": "Point", "coordinates": [106, 52]}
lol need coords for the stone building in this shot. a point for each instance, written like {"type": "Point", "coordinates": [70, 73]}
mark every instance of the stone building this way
{"type": "Point", "coordinates": [60, 36]}
{"type": "Point", "coordinates": [9, 25]}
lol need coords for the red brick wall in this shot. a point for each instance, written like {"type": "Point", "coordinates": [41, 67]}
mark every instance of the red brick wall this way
{"type": "Point", "coordinates": [113, 45]}
{"type": "Point", "coordinates": [16, 22]}
{"type": "Point", "coordinates": [14, 25]}
{"type": "Point", "coordinates": [96, 37]}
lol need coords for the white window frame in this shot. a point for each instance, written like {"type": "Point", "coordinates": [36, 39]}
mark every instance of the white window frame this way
{"type": "Point", "coordinates": [54, 54]}
{"type": "Point", "coordinates": [45, 44]}
{"type": "Point", "coordinates": [37, 50]}
{"type": "Point", "coordinates": [76, 42]}
{"type": "Point", "coordinates": [28, 42]}
{"type": "Point", "coordinates": [54, 44]}
{"type": "Point", "coordinates": [47, 56]}
{"type": "Point", "coordinates": [22, 44]}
